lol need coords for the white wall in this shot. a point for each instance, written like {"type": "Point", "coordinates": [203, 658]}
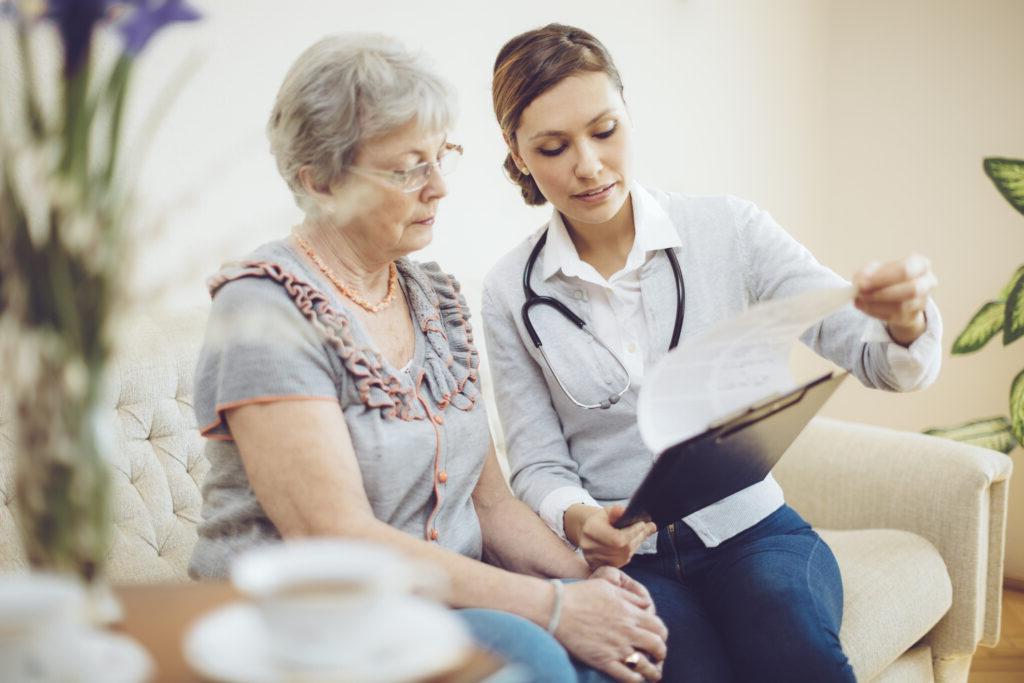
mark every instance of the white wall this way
{"type": "Point", "coordinates": [860, 125]}
{"type": "Point", "coordinates": [726, 97]}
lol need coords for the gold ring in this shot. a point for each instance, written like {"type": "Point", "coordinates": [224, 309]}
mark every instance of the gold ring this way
{"type": "Point", "coordinates": [633, 661]}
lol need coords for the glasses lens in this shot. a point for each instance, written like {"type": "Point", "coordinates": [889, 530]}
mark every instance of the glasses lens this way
{"type": "Point", "coordinates": [449, 161]}
{"type": "Point", "coordinates": [416, 177]}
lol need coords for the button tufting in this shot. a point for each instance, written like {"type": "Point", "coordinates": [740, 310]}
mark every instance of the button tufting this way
{"type": "Point", "coordinates": [434, 534]}
{"type": "Point", "coordinates": [439, 419]}
{"type": "Point", "coordinates": [442, 476]}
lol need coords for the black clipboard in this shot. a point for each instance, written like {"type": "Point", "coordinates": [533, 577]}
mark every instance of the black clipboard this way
{"type": "Point", "coordinates": [731, 455]}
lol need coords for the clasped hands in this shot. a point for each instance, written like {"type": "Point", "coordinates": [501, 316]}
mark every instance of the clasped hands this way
{"type": "Point", "coordinates": [631, 646]}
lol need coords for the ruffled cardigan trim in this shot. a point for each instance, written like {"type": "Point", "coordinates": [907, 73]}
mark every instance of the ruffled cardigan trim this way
{"type": "Point", "coordinates": [450, 364]}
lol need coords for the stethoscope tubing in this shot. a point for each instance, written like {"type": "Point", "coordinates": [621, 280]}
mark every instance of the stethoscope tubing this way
{"type": "Point", "coordinates": [533, 299]}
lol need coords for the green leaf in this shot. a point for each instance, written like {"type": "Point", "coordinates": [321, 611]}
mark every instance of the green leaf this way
{"type": "Point", "coordinates": [1008, 176]}
{"type": "Point", "coordinates": [1017, 406]}
{"type": "Point", "coordinates": [1013, 326]}
{"type": "Point", "coordinates": [983, 326]}
{"type": "Point", "coordinates": [1017, 277]}
{"type": "Point", "coordinates": [993, 432]}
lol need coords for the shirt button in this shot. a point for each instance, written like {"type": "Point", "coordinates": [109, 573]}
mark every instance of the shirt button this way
{"type": "Point", "coordinates": [607, 380]}
{"type": "Point", "coordinates": [439, 419]}
{"type": "Point", "coordinates": [578, 294]}
{"type": "Point", "coordinates": [434, 534]}
{"type": "Point", "coordinates": [631, 348]}
{"type": "Point", "coordinates": [442, 476]}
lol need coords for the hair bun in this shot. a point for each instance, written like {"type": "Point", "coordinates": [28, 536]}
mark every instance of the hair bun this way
{"type": "Point", "coordinates": [527, 185]}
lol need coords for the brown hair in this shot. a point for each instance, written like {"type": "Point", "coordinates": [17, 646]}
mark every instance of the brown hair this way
{"type": "Point", "coordinates": [531, 64]}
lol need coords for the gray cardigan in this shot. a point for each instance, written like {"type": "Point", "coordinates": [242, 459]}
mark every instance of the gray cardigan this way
{"type": "Point", "coordinates": [733, 254]}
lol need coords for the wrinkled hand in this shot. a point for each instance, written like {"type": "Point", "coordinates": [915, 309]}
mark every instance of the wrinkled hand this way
{"type": "Point", "coordinates": [619, 578]}
{"type": "Point", "coordinates": [603, 623]}
{"type": "Point", "coordinates": [602, 544]}
{"type": "Point", "coordinates": [896, 292]}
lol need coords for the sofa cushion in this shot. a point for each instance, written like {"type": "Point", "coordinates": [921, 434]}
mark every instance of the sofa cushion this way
{"type": "Point", "coordinates": [154, 449]}
{"type": "Point", "coordinates": [895, 589]}
{"type": "Point", "coordinates": [914, 666]}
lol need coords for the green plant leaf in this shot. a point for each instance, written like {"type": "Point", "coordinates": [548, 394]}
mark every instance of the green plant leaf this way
{"type": "Point", "coordinates": [1013, 325]}
{"type": "Point", "coordinates": [983, 326]}
{"type": "Point", "coordinates": [1017, 407]}
{"type": "Point", "coordinates": [1008, 176]}
{"type": "Point", "coordinates": [1017, 277]}
{"type": "Point", "coordinates": [993, 432]}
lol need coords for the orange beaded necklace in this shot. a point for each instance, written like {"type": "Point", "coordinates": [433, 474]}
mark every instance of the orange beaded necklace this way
{"type": "Point", "coordinates": [349, 292]}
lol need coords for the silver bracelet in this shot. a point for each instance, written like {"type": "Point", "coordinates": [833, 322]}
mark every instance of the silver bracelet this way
{"type": "Point", "coordinates": [556, 610]}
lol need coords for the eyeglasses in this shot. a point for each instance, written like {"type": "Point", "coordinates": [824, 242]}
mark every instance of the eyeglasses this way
{"type": "Point", "coordinates": [416, 177]}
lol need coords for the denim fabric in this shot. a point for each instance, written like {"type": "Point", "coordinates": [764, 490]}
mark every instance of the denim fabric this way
{"type": "Point", "coordinates": [765, 605]}
{"type": "Point", "coordinates": [533, 655]}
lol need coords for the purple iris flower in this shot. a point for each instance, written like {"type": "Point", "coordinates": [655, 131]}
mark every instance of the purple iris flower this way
{"type": "Point", "coordinates": [139, 20]}
{"type": "Point", "coordinates": [148, 18]}
{"type": "Point", "coordinates": [75, 20]}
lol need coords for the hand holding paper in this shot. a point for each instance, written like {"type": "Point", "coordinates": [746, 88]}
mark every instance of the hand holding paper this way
{"type": "Point", "coordinates": [896, 293]}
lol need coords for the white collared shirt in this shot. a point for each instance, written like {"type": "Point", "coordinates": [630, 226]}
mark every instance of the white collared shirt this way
{"type": "Point", "coordinates": [616, 308]}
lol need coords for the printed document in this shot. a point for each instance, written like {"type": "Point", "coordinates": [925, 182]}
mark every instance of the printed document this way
{"type": "Point", "coordinates": [728, 367]}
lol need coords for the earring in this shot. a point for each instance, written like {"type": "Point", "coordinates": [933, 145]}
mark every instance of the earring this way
{"type": "Point", "coordinates": [524, 171]}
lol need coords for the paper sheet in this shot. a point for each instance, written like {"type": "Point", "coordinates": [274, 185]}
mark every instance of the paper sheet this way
{"type": "Point", "coordinates": [728, 367]}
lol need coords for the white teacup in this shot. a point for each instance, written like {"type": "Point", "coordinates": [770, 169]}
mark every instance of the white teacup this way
{"type": "Point", "coordinates": [326, 603]}
{"type": "Point", "coordinates": [41, 616]}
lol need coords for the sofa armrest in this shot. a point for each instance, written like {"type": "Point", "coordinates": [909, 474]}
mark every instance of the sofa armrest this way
{"type": "Point", "coordinates": [841, 475]}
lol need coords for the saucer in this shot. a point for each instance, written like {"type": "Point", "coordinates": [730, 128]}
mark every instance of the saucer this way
{"type": "Point", "coordinates": [231, 645]}
{"type": "Point", "coordinates": [113, 658]}
{"type": "Point", "coordinates": [85, 654]}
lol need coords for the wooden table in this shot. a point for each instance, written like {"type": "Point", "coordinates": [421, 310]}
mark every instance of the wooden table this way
{"type": "Point", "coordinates": [158, 615]}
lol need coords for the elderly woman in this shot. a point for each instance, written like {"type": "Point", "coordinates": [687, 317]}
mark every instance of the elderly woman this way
{"type": "Point", "coordinates": [338, 385]}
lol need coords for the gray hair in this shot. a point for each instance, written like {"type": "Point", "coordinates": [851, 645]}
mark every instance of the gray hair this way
{"type": "Point", "coordinates": [340, 92]}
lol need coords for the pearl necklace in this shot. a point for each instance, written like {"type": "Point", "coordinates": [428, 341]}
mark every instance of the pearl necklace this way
{"type": "Point", "coordinates": [349, 292]}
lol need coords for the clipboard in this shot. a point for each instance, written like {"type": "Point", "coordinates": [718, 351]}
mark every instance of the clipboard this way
{"type": "Point", "coordinates": [736, 452]}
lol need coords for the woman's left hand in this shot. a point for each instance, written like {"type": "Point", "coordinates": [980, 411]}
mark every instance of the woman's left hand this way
{"type": "Point", "coordinates": [896, 292]}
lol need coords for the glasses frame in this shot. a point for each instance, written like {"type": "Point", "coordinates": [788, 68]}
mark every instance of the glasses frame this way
{"type": "Point", "coordinates": [402, 179]}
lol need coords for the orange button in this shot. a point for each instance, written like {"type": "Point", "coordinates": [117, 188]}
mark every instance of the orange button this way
{"type": "Point", "coordinates": [442, 477]}
{"type": "Point", "coordinates": [434, 534]}
{"type": "Point", "coordinates": [439, 419]}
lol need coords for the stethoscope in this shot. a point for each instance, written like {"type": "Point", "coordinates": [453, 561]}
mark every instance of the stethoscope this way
{"type": "Point", "coordinates": [533, 299]}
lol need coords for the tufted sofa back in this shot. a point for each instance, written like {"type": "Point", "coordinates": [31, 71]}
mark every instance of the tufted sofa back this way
{"type": "Point", "coordinates": [154, 451]}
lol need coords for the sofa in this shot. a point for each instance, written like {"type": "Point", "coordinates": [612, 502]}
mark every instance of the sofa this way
{"type": "Point", "coordinates": [917, 523]}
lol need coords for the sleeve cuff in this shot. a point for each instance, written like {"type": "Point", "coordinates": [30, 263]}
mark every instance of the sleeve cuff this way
{"type": "Point", "coordinates": [916, 366]}
{"type": "Point", "coordinates": [553, 507]}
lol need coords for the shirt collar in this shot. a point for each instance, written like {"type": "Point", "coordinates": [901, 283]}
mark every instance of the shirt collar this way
{"type": "Point", "coordinates": [654, 231]}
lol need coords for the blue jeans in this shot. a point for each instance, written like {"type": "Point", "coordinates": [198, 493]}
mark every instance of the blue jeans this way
{"type": "Point", "coordinates": [533, 654]}
{"type": "Point", "coordinates": [765, 605]}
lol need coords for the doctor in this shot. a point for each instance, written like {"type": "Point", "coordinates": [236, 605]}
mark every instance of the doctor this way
{"type": "Point", "coordinates": [747, 589]}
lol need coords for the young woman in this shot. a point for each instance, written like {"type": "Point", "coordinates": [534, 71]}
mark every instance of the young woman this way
{"type": "Point", "coordinates": [747, 589]}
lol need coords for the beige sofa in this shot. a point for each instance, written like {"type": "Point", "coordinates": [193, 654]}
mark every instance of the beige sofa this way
{"type": "Point", "coordinates": [916, 522]}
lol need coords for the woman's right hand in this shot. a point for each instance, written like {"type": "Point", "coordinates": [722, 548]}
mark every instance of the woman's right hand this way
{"type": "Point", "coordinates": [602, 624]}
{"type": "Point", "coordinates": [604, 545]}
